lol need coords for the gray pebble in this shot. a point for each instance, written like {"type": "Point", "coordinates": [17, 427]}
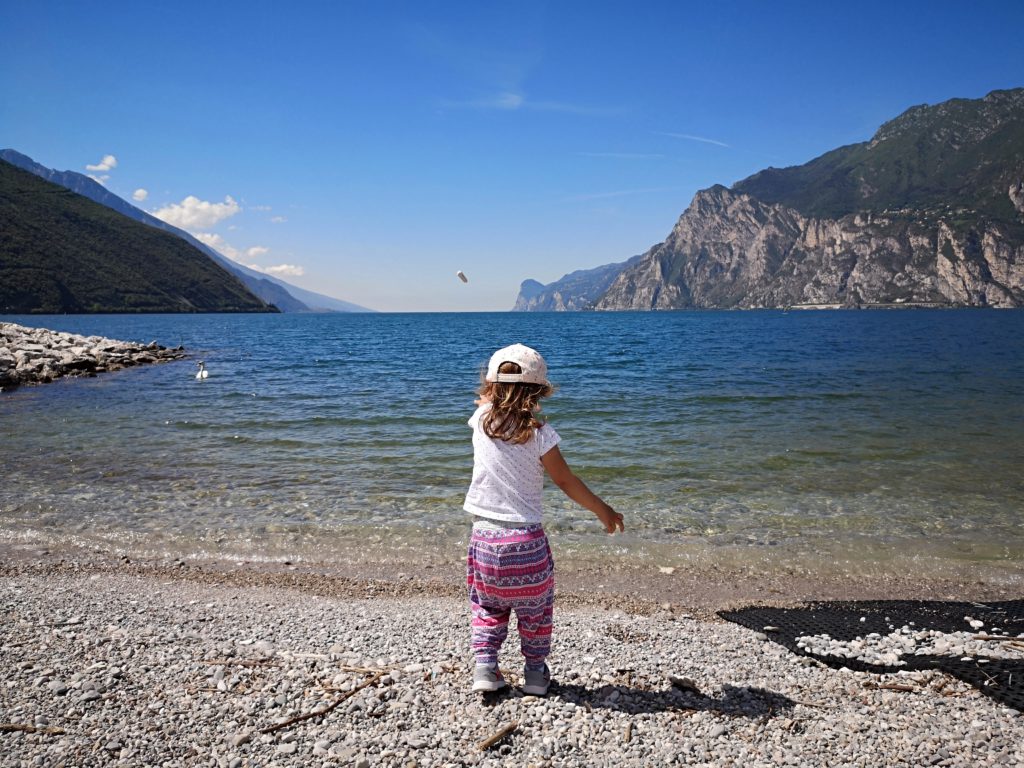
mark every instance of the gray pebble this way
{"type": "Point", "coordinates": [241, 738]}
{"type": "Point", "coordinates": [158, 635]}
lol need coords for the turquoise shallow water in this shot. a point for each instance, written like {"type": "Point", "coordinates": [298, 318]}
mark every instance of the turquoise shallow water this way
{"type": "Point", "coordinates": [853, 434]}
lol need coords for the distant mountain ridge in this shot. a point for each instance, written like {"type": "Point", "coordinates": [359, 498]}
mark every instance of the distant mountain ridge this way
{"type": "Point", "coordinates": [273, 290]}
{"type": "Point", "coordinates": [576, 291]}
{"type": "Point", "coordinates": [929, 212]}
{"type": "Point", "coordinates": [61, 252]}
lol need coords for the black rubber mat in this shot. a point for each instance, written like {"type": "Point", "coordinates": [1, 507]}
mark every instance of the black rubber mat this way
{"type": "Point", "coordinates": [1000, 679]}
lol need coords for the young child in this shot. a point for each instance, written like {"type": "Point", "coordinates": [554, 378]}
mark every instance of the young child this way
{"type": "Point", "coordinates": [509, 565]}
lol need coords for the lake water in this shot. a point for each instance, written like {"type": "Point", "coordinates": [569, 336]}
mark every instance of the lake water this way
{"type": "Point", "coordinates": [831, 436]}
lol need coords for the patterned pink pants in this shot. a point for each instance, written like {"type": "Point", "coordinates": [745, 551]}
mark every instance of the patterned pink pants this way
{"type": "Point", "coordinates": [511, 570]}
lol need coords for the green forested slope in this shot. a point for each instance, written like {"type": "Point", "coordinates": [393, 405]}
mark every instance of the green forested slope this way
{"type": "Point", "coordinates": [61, 252]}
{"type": "Point", "coordinates": [962, 154]}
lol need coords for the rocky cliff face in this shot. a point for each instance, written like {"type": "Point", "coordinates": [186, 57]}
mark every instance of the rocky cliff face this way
{"type": "Point", "coordinates": [733, 250]}
{"type": "Point", "coordinates": [1017, 196]}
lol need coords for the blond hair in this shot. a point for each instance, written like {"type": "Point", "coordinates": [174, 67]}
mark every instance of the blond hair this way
{"type": "Point", "coordinates": [513, 413]}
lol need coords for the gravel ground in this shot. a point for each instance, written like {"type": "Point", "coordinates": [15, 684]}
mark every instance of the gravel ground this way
{"type": "Point", "coordinates": [106, 669]}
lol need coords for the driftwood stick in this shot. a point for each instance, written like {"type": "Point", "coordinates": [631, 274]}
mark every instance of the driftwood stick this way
{"type": "Point", "coordinates": [628, 735]}
{"type": "Point", "coordinates": [998, 638]}
{"type": "Point", "coordinates": [330, 708]}
{"type": "Point", "coordinates": [242, 662]}
{"type": "Point", "coordinates": [891, 687]}
{"type": "Point", "coordinates": [12, 727]}
{"type": "Point", "coordinates": [489, 742]}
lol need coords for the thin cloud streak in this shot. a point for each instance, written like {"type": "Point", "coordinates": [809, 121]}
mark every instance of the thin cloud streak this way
{"type": "Point", "coordinates": [510, 101]}
{"type": "Point", "coordinates": [506, 101]}
{"type": "Point", "coordinates": [691, 137]}
{"type": "Point", "coordinates": [622, 155]}
{"type": "Point", "coordinates": [617, 193]}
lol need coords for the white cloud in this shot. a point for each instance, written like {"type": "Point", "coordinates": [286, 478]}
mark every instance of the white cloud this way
{"type": "Point", "coordinates": [100, 179]}
{"type": "Point", "coordinates": [139, 195]}
{"type": "Point", "coordinates": [193, 213]}
{"type": "Point", "coordinates": [278, 219]}
{"type": "Point", "coordinates": [291, 270]}
{"type": "Point", "coordinates": [691, 137]}
{"type": "Point", "coordinates": [260, 208]}
{"type": "Point", "coordinates": [219, 244]}
{"type": "Point", "coordinates": [108, 163]}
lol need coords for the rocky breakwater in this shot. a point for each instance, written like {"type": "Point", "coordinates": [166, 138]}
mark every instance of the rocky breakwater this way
{"type": "Point", "coordinates": [38, 355]}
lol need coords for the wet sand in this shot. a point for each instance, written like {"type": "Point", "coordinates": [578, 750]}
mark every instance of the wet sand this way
{"type": "Point", "coordinates": [700, 590]}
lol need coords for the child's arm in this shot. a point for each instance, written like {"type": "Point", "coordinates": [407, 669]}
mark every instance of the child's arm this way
{"type": "Point", "coordinates": [577, 490]}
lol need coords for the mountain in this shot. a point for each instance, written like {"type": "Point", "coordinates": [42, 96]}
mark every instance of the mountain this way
{"type": "Point", "coordinates": [929, 212]}
{"type": "Point", "coordinates": [273, 290]}
{"type": "Point", "coordinates": [733, 250]}
{"type": "Point", "coordinates": [61, 252]}
{"type": "Point", "coordinates": [963, 152]}
{"type": "Point", "coordinates": [577, 290]}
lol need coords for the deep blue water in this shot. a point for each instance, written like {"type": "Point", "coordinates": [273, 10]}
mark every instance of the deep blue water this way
{"type": "Point", "coordinates": [823, 433]}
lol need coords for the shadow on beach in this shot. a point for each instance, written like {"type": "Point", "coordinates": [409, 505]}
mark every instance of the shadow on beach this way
{"type": "Point", "coordinates": [730, 701]}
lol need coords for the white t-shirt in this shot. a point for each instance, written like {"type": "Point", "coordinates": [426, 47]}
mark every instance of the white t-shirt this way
{"type": "Point", "coordinates": [508, 480]}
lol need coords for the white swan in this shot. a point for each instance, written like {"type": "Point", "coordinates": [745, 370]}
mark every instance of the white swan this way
{"type": "Point", "coordinates": [202, 373]}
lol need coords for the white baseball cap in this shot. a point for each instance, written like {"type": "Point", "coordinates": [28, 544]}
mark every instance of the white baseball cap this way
{"type": "Point", "coordinates": [534, 369]}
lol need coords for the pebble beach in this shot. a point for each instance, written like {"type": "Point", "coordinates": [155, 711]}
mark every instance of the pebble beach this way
{"type": "Point", "coordinates": [155, 667]}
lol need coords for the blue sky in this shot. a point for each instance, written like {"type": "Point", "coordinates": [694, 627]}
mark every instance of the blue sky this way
{"type": "Point", "coordinates": [370, 150]}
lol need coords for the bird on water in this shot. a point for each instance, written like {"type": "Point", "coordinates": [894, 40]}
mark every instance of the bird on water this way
{"type": "Point", "coordinates": [202, 373]}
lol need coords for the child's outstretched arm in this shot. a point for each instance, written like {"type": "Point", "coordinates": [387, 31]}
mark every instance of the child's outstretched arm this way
{"type": "Point", "coordinates": [577, 490]}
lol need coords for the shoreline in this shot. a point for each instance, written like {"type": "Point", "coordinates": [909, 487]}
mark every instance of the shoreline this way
{"type": "Point", "coordinates": [639, 588]}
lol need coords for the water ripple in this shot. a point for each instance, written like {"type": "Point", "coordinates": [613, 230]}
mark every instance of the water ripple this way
{"type": "Point", "coordinates": [804, 429]}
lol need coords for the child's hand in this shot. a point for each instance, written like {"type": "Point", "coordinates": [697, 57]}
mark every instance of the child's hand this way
{"type": "Point", "coordinates": [577, 490]}
{"type": "Point", "coordinates": [611, 519]}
